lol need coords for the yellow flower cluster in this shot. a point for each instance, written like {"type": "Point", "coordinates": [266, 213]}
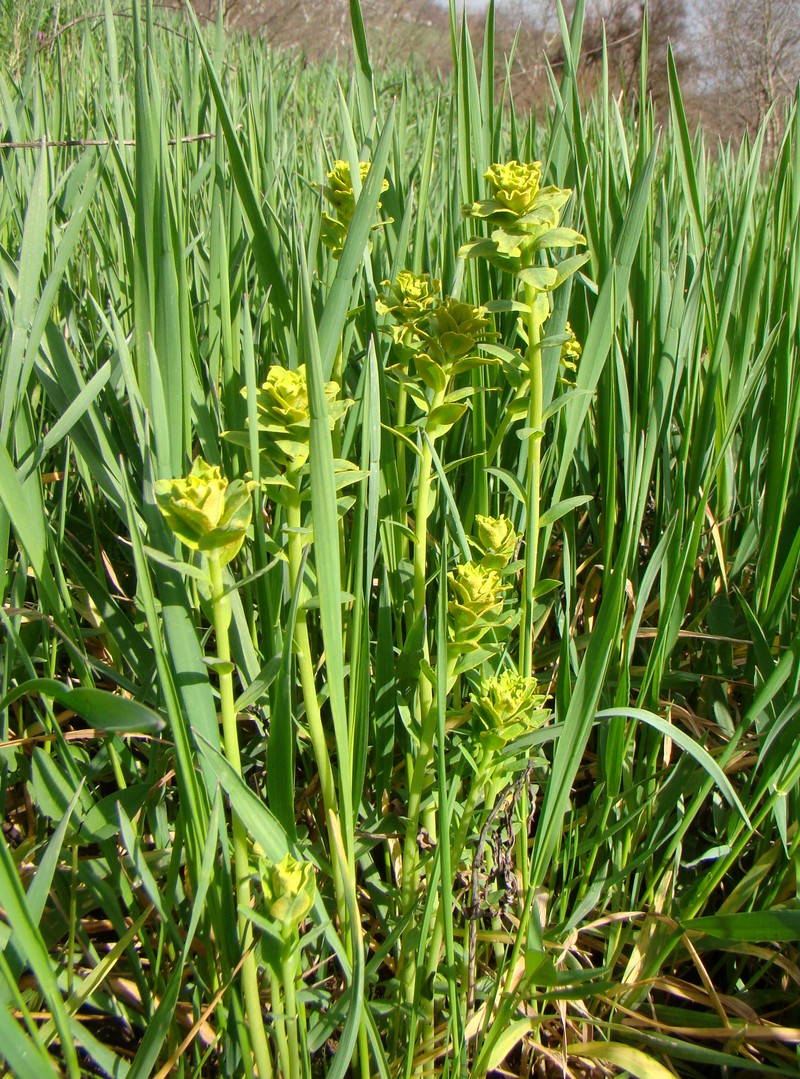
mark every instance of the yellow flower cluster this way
{"type": "Point", "coordinates": [289, 890]}
{"type": "Point", "coordinates": [497, 539]}
{"type": "Point", "coordinates": [525, 221]}
{"type": "Point", "coordinates": [477, 603]}
{"type": "Point", "coordinates": [340, 193]}
{"type": "Point", "coordinates": [205, 511]}
{"type": "Point", "coordinates": [509, 705]}
{"type": "Point", "coordinates": [284, 415]}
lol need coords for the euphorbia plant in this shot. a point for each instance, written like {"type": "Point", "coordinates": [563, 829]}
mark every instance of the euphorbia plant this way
{"type": "Point", "coordinates": [340, 194]}
{"type": "Point", "coordinates": [284, 425]}
{"type": "Point", "coordinates": [289, 891]}
{"type": "Point", "coordinates": [476, 609]}
{"type": "Point", "coordinates": [211, 515]}
{"type": "Point", "coordinates": [524, 222]}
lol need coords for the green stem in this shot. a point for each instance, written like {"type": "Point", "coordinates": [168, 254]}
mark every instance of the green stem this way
{"type": "Point", "coordinates": [422, 511]}
{"type": "Point", "coordinates": [221, 610]}
{"type": "Point", "coordinates": [402, 409]}
{"type": "Point", "coordinates": [304, 661]}
{"type": "Point", "coordinates": [477, 788]}
{"type": "Point", "coordinates": [305, 665]}
{"type": "Point", "coordinates": [419, 781]}
{"type": "Point", "coordinates": [533, 483]}
{"type": "Point", "coordinates": [279, 1027]}
{"type": "Point", "coordinates": [289, 975]}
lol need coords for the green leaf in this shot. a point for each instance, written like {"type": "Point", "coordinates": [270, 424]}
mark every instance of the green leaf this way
{"type": "Point", "coordinates": [442, 418]}
{"type": "Point", "coordinates": [25, 1055]}
{"type": "Point", "coordinates": [262, 825]}
{"type": "Point", "coordinates": [32, 947]}
{"type": "Point", "coordinates": [556, 512]}
{"type": "Point", "coordinates": [688, 744]}
{"type": "Point", "coordinates": [325, 516]}
{"type": "Point", "coordinates": [257, 689]}
{"type": "Point", "coordinates": [632, 1060]}
{"type": "Point", "coordinates": [103, 710]}
{"type": "Point", "coordinates": [542, 278]}
{"type": "Point", "coordinates": [757, 926]}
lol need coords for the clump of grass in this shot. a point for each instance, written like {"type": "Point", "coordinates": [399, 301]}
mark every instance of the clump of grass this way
{"type": "Point", "coordinates": [400, 609]}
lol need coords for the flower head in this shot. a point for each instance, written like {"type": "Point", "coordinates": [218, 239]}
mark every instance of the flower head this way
{"type": "Point", "coordinates": [509, 705]}
{"type": "Point", "coordinates": [205, 511]}
{"type": "Point", "coordinates": [455, 328]}
{"type": "Point", "coordinates": [571, 349]}
{"type": "Point", "coordinates": [340, 193]}
{"type": "Point", "coordinates": [477, 600]}
{"type": "Point", "coordinates": [284, 414]}
{"type": "Point", "coordinates": [407, 300]}
{"type": "Point", "coordinates": [514, 185]}
{"type": "Point", "coordinates": [339, 190]}
{"type": "Point", "coordinates": [409, 296]}
{"type": "Point", "coordinates": [289, 889]}
{"type": "Point", "coordinates": [283, 400]}
{"type": "Point", "coordinates": [525, 218]}
{"type": "Point", "coordinates": [498, 540]}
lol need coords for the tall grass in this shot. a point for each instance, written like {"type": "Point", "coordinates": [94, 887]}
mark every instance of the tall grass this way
{"type": "Point", "coordinates": [611, 882]}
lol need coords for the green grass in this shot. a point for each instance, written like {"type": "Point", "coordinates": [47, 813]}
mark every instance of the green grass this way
{"type": "Point", "coordinates": [613, 878]}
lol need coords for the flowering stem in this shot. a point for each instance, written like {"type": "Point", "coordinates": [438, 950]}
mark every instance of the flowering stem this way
{"type": "Point", "coordinates": [308, 683]}
{"type": "Point", "coordinates": [402, 408]}
{"type": "Point", "coordinates": [221, 610]}
{"type": "Point", "coordinates": [533, 483]}
{"type": "Point", "coordinates": [279, 1025]}
{"type": "Point", "coordinates": [419, 780]}
{"type": "Point", "coordinates": [303, 654]}
{"type": "Point", "coordinates": [289, 959]}
{"type": "Point", "coordinates": [466, 821]}
{"type": "Point", "coordinates": [422, 511]}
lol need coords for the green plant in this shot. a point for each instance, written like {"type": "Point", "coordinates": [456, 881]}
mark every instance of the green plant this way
{"type": "Point", "coordinates": [457, 729]}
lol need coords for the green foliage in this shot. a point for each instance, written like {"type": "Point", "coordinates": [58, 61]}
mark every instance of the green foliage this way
{"type": "Point", "coordinates": [447, 713]}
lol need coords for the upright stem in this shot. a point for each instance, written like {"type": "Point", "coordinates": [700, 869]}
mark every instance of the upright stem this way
{"type": "Point", "coordinates": [533, 484]}
{"type": "Point", "coordinates": [466, 821]}
{"type": "Point", "coordinates": [221, 610]}
{"type": "Point", "coordinates": [304, 661]}
{"type": "Point", "coordinates": [422, 511]}
{"type": "Point", "coordinates": [419, 780]}
{"type": "Point", "coordinates": [305, 665]}
{"type": "Point", "coordinates": [402, 409]}
{"type": "Point", "coordinates": [279, 1025]}
{"type": "Point", "coordinates": [289, 975]}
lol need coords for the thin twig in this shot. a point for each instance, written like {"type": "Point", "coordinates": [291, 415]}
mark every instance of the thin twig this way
{"type": "Point", "coordinates": [35, 144]}
{"type": "Point", "coordinates": [508, 798]}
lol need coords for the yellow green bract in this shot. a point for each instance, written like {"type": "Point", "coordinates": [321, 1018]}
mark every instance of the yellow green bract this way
{"type": "Point", "coordinates": [284, 415]}
{"type": "Point", "coordinates": [407, 299]}
{"type": "Point", "coordinates": [526, 220]}
{"type": "Point", "coordinates": [515, 186]}
{"type": "Point", "coordinates": [340, 193]}
{"type": "Point", "coordinates": [289, 889]}
{"type": "Point", "coordinates": [477, 601]}
{"type": "Point", "coordinates": [205, 511]}
{"type": "Point", "coordinates": [409, 296]}
{"type": "Point", "coordinates": [339, 189]}
{"type": "Point", "coordinates": [498, 539]}
{"type": "Point", "coordinates": [571, 349]}
{"type": "Point", "coordinates": [509, 705]}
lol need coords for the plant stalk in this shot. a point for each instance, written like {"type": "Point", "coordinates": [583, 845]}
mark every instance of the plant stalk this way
{"type": "Point", "coordinates": [221, 610]}
{"type": "Point", "coordinates": [305, 665]}
{"type": "Point", "coordinates": [533, 481]}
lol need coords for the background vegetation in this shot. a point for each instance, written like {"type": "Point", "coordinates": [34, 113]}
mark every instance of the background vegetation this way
{"type": "Point", "coordinates": [736, 58]}
{"type": "Point", "coordinates": [610, 886]}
